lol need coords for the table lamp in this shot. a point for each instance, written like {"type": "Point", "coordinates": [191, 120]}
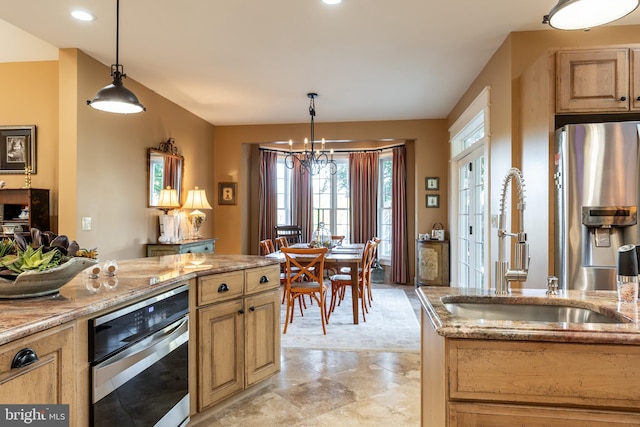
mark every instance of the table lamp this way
{"type": "Point", "coordinates": [167, 201]}
{"type": "Point", "coordinates": [196, 199]}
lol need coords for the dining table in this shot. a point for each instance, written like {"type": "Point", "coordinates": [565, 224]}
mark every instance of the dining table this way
{"type": "Point", "coordinates": [347, 255]}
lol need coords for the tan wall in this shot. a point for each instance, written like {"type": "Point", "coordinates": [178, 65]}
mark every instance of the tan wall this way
{"type": "Point", "coordinates": [426, 151]}
{"type": "Point", "coordinates": [93, 162]}
{"type": "Point", "coordinates": [30, 97]}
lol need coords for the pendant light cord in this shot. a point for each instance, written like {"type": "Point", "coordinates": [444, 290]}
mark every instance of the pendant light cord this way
{"type": "Point", "coordinates": [117, 32]}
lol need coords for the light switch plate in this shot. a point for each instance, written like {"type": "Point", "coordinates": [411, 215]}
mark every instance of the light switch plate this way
{"type": "Point", "coordinates": [86, 223]}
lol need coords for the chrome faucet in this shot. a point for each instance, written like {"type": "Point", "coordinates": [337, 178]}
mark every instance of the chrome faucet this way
{"type": "Point", "coordinates": [505, 275]}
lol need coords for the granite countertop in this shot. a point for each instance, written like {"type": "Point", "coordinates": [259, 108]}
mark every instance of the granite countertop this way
{"type": "Point", "coordinates": [134, 279]}
{"type": "Point", "coordinates": [605, 302]}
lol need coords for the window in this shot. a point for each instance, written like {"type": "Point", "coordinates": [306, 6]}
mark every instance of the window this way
{"type": "Point", "coordinates": [385, 225]}
{"type": "Point", "coordinates": [284, 192]}
{"type": "Point", "coordinates": [469, 234]}
{"type": "Point", "coordinates": [331, 199]}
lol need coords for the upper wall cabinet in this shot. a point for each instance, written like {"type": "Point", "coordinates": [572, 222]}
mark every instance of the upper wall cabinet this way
{"type": "Point", "coordinates": [597, 81]}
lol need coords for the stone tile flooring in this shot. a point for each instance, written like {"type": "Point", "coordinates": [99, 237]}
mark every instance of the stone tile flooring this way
{"type": "Point", "coordinates": [330, 388]}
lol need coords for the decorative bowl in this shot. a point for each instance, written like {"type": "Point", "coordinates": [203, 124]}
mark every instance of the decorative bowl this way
{"type": "Point", "coordinates": [39, 283]}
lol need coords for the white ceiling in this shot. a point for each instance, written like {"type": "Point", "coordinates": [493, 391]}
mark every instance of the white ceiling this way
{"type": "Point", "coordinates": [253, 61]}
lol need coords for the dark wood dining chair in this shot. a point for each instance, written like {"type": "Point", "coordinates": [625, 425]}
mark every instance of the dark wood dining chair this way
{"type": "Point", "coordinates": [293, 233]}
{"type": "Point", "coordinates": [307, 280]}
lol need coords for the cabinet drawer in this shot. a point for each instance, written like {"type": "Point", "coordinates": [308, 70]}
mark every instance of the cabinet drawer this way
{"type": "Point", "coordinates": [220, 287]}
{"type": "Point", "coordinates": [463, 415]}
{"type": "Point", "coordinates": [262, 279]}
{"type": "Point", "coordinates": [545, 373]}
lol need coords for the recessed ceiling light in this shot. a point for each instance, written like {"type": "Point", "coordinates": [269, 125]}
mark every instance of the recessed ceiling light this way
{"type": "Point", "coordinates": [331, 1]}
{"type": "Point", "coordinates": [82, 15]}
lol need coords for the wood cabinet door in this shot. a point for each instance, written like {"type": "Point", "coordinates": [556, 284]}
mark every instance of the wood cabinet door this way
{"type": "Point", "coordinates": [220, 352]}
{"type": "Point", "coordinates": [635, 79]}
{"type": "Point", "coordinates": [592, 81]}
{"type": "Point", "coordinates": [262, 335]}
{"type": "Point", "coordinates": [49, 380]}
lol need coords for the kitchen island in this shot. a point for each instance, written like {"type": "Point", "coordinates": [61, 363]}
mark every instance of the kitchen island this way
{"type": "Point", "coordinates": [507, 372]}
{"type": "Point", "coordinates": [56, 327]}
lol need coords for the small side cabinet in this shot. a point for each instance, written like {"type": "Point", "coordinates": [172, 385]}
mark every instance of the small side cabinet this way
{"type": "Point", "coordinates": [432, 259]}
{"type": "Point", "coordinates": [184, 247]}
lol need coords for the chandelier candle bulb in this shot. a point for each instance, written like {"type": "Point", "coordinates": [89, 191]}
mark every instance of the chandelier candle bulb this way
{"type": "Point", "coordinates": [290, 146]}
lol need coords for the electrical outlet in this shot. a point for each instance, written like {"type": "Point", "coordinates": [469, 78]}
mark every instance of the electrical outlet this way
{"type": "Point", "coordinates": [86, 223]}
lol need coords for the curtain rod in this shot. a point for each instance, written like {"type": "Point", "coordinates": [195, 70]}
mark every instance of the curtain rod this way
{"type": "Point", "coordinates": [364, 150]}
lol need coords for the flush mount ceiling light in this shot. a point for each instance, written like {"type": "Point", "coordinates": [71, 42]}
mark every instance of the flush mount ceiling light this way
{"type": "Point", "coordinates": [585, 14]}
{"type": "Point", "coordinates": [115, 98]}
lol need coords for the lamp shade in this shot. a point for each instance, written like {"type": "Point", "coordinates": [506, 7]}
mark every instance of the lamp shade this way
{"type": "Point", "coordinates": [196, 199]}
{"type": "Point", "coordinates": [168, 198]}
{"type": "Point", "coordinates": [584, 14]}
{"type": "Point", "coordinates": [115, 98]}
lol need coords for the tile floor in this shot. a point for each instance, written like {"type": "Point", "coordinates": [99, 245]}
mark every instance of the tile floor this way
{"type": "Point", "coordinates": [329, 388]}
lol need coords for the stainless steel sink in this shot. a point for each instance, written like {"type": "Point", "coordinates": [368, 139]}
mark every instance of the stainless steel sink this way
{"type": "Point", "coordinates": [528, 312]}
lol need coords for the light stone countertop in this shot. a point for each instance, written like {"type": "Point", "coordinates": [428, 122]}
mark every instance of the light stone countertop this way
{"type": "Point", "coordinates": [134, 279]}
{"type": "Point", "coordinates": [605, 302]}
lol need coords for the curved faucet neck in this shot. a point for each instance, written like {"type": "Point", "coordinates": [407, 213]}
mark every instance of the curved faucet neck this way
{"type": "Point", "coordinates": [505, 275]}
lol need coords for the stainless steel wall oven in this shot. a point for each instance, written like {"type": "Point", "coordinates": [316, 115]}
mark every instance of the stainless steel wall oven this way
{"type": "Point", "coordinates": [139, 363]}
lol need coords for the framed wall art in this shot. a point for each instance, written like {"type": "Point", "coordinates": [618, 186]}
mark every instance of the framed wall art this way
{"type": "Point", "coordinates": [228, 193]}
{"type": "Point", "coordinates": [17, 149]}
{"type": "Point", "coordinates": [433, 201]}
{"type": "Point", "coordinates": [432, 183]}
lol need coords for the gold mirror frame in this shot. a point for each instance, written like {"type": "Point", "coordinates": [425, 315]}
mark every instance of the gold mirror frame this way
{"type": "Point", "coordinates": [165, 167]}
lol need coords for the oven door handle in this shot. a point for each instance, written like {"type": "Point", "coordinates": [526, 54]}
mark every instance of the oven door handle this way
{"type": "Point", "coordinates": [117, 370]}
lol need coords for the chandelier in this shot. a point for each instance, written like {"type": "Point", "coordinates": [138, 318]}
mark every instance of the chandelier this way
{"type": "Point", "coordinates": [312, 159]}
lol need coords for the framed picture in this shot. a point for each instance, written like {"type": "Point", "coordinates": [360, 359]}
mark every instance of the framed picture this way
{"type": "Point", "coordinates": [17, 149]}
{"type": "Point", "coordinates": [228, 193]}
{"type": "Point", "coordinates": [432, 183]}
{"type": "Point", "coordinates": [433, 201]}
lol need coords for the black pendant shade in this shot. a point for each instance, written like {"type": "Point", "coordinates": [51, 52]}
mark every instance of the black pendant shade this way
{"type": "Point", "coordinates": [115, 98]}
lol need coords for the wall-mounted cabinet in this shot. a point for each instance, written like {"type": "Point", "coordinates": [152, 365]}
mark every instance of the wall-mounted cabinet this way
{"type": "Point", "coordinates": [25, 208]}
{"type": "Point", "coordinates": [598, 80]}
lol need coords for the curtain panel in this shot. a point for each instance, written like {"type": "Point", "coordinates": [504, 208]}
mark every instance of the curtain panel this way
{"type": "Point", "coordinates": [268, 197]}
{"type": "Point", "coordinates": [301, 199]}
{"type": "Point", "coordinates": [399, 238]}
{"type": "Point", "coordinates": [363, 188]}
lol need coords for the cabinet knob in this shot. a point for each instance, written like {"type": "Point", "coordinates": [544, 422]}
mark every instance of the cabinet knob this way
{"type": "Point", "coordinates": [252, 308]}
{"type": "Point", "coordinates": [623, 98]}
{"type": "Point", "coordinates": [241, 311]}
{"type": "Point", "coordinates": [223, 288]}
{"type": "Point", "coordinates": [264, 279]}
{"type": "Point", "coordinates": [638, 98]}
{"type": "Point", "coordinates": [24, 357]}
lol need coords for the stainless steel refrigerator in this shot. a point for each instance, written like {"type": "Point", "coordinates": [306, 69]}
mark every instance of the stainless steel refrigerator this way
{"type": "Point", "coordinates": [595, 201]}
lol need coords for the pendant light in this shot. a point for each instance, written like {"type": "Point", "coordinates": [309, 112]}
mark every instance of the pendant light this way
{"type": "Point", "coordinates": [115, 98]}
{"type": "Point", "coordinates": [313, 160]}
{"type": "Point", "coordinates": [585, 14]}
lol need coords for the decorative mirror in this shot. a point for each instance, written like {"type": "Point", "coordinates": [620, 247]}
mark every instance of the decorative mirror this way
{"type": "Point", "coordinates": [165, 167]}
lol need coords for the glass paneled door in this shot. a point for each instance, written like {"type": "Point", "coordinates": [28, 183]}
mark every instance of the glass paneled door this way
{"type": "Point", "coordinates": [471, 220]}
